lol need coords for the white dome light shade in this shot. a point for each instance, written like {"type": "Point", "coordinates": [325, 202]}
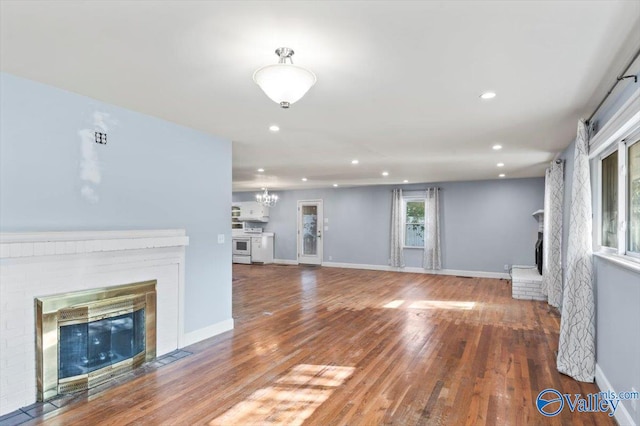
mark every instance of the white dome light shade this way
{"type": "Point", "coordinates": [284, 84]}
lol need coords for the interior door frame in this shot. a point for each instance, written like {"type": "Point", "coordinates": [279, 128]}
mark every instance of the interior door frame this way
{"type": "Point", "coordinates": [320, 231]}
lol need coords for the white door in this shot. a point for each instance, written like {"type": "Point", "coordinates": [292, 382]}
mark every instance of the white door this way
{"type": "Point", "coordinates": [310, 232]}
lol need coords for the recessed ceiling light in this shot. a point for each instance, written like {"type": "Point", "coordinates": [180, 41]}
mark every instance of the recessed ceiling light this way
{"type": "Point", "coordinates": [335, 185]}
{"type": "Point", "coordinates": [501, 175]}
{"type": "Point", "coordinates": [488, 95]}
{"type": "Point", "coordinates": [405, 181]}
{"type": "Point", "coordinates": [261, 170]}
{"type": "Point", "coordinates": [385, 173]}
{"type": "Point", "coordinates": [274, 128]}
{"type": "Point", "coordinates": [354, 161]}
{"type": "Point", "coordinates": [497, 147]}
{"type": "Point", "coordinates": [500, 164]}
{"type": "Point", "coordinates": [304, 179]}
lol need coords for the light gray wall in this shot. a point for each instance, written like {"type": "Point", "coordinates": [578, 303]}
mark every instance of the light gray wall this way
{"type": "Point", "coordinates": [154, 174]}
{"type": "Point", "coordinates": [485, 224]}
{"type": "Point", "coordinates": [618, 327]}
{"type": "Point", "coordinates": [617, 289]}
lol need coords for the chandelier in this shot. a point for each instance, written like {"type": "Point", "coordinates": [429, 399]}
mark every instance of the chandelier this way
{"type": "Point", "coordinates": [284, 83]}
{"type": "Point", "coordinates": [267, 199]}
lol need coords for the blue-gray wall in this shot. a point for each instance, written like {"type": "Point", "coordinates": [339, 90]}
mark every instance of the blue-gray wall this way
{"type": "Point", "coordinates": [485, 224]}
{"type": "Point", "coordinates": [152, 174]}
{"type": "Point", "coordinates": [617, 290]}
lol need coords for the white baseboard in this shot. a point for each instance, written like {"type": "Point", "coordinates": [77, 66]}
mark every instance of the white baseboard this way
{"type": "Point", "coordinates": [285, 262]}
{"type": "Point", "coordinates": [415, 270]}
{"type": "Point", "coordinates": [205, 333]}
{"type": "Point", "coordinates": [622, 416]}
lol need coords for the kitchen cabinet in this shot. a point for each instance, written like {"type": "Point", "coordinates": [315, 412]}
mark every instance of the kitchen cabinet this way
{"type": "Point", "coordinates": [236, 223]}
{"type": "Point", "coordinates": [253, 211]}
{"type": "Point", "coordinates": [262, 248]}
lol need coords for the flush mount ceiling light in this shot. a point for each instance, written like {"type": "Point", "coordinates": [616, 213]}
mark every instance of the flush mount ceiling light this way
{"type": "Point", "coordinates": [488, 95]}
{"type": "Point", "coordinates": [284, 83]}
{"type": "Point", "coordinates": [385, 174]}
{"type": "Point", "coordinates": [274, 128]}
{"type": "Point", "coordinates": [354, 161]}
{"type": "Point", "coordinates": [500, 164]}
{"type": "Point", "coordinates": [304, 179]}
{"type": "Point", "coordinates": [501, 175]}
{"type": "Point", "coordinates": [497, 147]}
{"type": "Point", "coordinates": [260, 170]}
{"type": "Point", "coordinates": [267, 199]}
{"type": "Point", "coordinates": [335, 185]}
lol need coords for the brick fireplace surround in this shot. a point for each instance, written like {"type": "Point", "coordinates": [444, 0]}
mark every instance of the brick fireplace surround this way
{"type": "Point", "coordinates": [41, 264]}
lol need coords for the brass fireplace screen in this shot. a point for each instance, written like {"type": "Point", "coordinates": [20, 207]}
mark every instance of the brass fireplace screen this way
{"type": "Point", "coordinates": [88, 337]}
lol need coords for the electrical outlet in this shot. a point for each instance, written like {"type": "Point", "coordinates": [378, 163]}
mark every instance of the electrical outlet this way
{"type": "Point", "coordinates": [101, 138]}
{"type": "Point", "coordinates": [506, 267]}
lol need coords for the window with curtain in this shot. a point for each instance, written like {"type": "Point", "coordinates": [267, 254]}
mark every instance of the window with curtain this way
{"type": "Point", "coordinates": [414, 222]}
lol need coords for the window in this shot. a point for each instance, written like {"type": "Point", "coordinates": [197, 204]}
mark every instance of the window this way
{"type": "Point", "coordinates": [610, 200]}
{"type": "Point", "coordinates": [620, 198]}
{"type": "Point", "coordinates": [634, 197]}
{"type": "Point", "coordinates": [414, 222]}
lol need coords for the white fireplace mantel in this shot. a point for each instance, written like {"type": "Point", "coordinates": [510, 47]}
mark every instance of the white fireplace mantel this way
{"type": "Point", "coordinates": [13, 245]}
{"type": "Point", "coordinates": [38, 264]}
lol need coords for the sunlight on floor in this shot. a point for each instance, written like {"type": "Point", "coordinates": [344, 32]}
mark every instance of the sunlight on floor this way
{"type": "Point", "coordinates": [292, 400]}
{"type": "Point", "coordinates": [431, 304]}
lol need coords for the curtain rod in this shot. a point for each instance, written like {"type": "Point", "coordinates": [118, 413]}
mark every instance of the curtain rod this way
{"type": "Point", "coordinates": [619, 78]}
{"type": "Point", "coordinates": [419, 189]}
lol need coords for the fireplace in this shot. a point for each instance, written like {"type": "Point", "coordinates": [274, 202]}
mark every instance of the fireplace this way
{"type": "Point", "coordinates": [86, 338]}
{"type": "Point", "coordinates": [39, 264]}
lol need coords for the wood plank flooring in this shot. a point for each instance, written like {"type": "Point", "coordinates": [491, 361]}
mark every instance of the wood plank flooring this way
{"type": "Point", "coordinates": [325, 346]}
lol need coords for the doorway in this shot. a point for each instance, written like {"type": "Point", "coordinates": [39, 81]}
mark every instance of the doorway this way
{"type": "Point", "coordinates": [310, 232]}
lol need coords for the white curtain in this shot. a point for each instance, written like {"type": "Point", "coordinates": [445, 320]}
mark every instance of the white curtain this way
{"type": "Point", "coordinates": [576, 348]}
{"type": "Point", "coordinates": [397, 220]}
{"type": "Point", "coordinates": [552, 238]}
{"type": "Point", "coordinates": [432, 229]}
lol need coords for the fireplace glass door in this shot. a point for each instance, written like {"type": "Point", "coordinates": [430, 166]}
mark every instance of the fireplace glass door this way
{"type": "Point", "coordinates": [98, 344]}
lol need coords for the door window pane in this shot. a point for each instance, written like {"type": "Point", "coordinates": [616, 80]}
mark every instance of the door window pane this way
{"type": "Point", "coordinates": [310, 230]}
{"type": "Point", "coordinates": [634, 197]}
{"type": "Point", "coordinates": [610, 200]}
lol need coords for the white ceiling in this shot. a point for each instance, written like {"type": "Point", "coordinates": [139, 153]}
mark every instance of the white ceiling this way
{"type": "Point", "coordinates": [398, 82]}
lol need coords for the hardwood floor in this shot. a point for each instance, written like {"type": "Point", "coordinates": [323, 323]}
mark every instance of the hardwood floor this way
{"type": "Point", "coordinates": [341, 346]}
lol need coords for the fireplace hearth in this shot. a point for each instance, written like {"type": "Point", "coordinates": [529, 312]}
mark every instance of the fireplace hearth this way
{"type": "Point", "coordinates": [86, 338]}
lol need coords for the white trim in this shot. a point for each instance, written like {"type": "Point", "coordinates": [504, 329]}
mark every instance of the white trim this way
{"type": "Point", "coordinates": [34, 244]}
{"type": "Point", "coordinates": [23, 237]}
{"type": "Point", "coordinates": [206, 333]}
{"type": "Point", "coordinates": [416, 270]}
{"type": "Point", "coordinates": [620, 125]}
{"type": "Point", "coordinates": [622, 416]}
{"type": "Point", "coordinates": [285, 262]}
{"type": "Point", "coordinates": [625, 261]}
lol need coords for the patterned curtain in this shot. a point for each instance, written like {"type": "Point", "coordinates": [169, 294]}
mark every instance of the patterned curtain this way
{"type": "Point", "coordinates": [397, 220]}
{"type": "Point", "coordinates": [432, 229]}
{"type": "Point", "coordinates": [552, 239]}
{"type": "Point", "coordinates": [576, 347]}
